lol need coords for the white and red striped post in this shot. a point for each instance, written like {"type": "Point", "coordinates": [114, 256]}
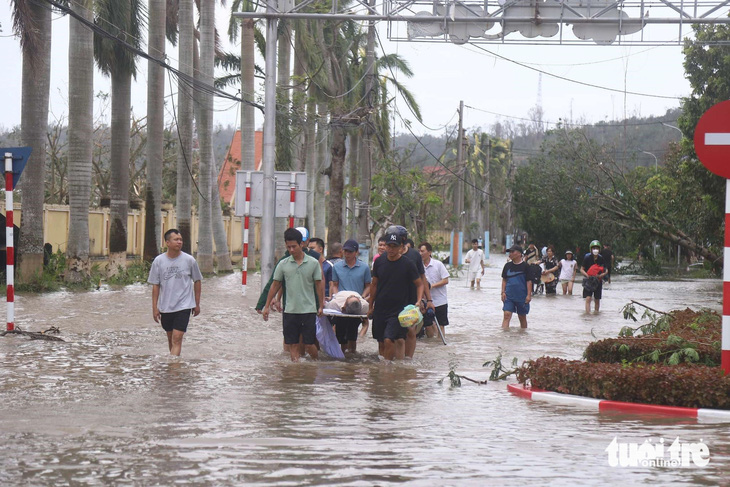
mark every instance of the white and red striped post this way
{"type": "Point", "coordinates": [725, 357]}
{"type": "Point", "coordinates": [246, 212]}
{"type": "Point", "coordinates": [10, 252]}
{"type": "Point", "coordinates": [292, 198]}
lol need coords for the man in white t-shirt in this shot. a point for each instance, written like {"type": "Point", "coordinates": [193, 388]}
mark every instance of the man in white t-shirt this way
{"type": "Point", "coordinates": [175, 279]}
{"type": "Point", "coordinates": [438, 277]}
{"type": "Point", "coordinates": [475, 259]}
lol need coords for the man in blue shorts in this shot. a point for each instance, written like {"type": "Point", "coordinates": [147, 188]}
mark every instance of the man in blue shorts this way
{"type": "Point", "coordinates": [175, 279]}
{"type": "Point", "coordinates": [390, 292]}
{"type": "Point", "coordinates": [516, 288]}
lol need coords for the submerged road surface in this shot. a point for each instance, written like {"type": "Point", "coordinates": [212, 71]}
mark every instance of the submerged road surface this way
{"type": "Point", "coordinates": [110, 407]}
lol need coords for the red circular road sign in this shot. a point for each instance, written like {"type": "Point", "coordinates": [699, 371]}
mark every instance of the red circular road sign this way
{"type": "Point", "coordinates": [712, 139]}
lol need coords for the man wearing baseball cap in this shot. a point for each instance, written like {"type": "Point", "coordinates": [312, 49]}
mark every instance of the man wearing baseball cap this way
{"type": "Point", "coordinates": [350, 274]}
{"type": "Point", "coordinates": [516, 288]}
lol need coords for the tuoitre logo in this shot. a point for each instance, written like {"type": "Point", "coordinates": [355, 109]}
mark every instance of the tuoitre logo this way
{"type": "Point", "coordinates": [656, 454]}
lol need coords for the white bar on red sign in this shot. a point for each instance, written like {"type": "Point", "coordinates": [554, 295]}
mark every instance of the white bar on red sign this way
{"type": "Point", "coordinates": [726, 266]}
{"type": "Point", "coordinates": [10, 270]}
{"type": "Point", "coordinates": [725, 333]}
{"type": "Point", "coordinates": [718, 138]}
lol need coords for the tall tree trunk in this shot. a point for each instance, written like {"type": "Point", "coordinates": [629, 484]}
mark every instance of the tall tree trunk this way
{"type": "Point", "coordinates": [183, 192]}
{"type": "Point", "coordinates": [299, 100]}
{"type": "Point", "coordinates": [248, 120]}
{"type": "Point", "coordinates": [36, 82]}
{"type": "Point", "coordinates": [80, 130]}
{"type": "Point", "coordinates": [119, 157]}
{"type": "Point", "coordinates": [222, 254]}
{"type": "Point", "coordinates": [310, 147]}
{"type": "Point", "coordinates": [283, 118]}
{"type": "Point", "coordinates": [356, 156]}
{"type": "Point", "coordinates": [321, 164]}
{"type": "Point", "coordinates": [337, 180]}
{"type": "Point", "coordinates": [155, 128]}
{"type": "Point", "coordinates": [204, 115]}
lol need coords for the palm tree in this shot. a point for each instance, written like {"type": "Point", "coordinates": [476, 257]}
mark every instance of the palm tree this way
{"type": "Point", "coordinates": [222, 254]}
{"type": "Point", "coordinates": [80, 129]}
{"type": "Point", "coordinates": [123, 18]}
{"type": "Point", "coordinates": [155, 127]}
{"type": "Point", "coordinates": [183, 195]}
{"type": "Point", "coordinates": [32, 23]}
{"type": "Point", "coordinates": [204, 109]}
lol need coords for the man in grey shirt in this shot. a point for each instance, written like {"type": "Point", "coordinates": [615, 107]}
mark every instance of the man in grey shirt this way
{"type": "Point", "coordinates": [176, 284]}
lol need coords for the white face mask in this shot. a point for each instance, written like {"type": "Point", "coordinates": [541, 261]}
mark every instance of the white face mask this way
{"type": "Point", "coordinates": [595, 251]}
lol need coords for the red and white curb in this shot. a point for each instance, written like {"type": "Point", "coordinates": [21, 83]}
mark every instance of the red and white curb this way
{"type": "Point", "coordinates": [603, 405]}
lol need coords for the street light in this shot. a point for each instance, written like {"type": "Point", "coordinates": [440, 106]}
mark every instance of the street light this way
{"type": "Point", "coordinates": [656, 161]}
{"type": "Point", "coordinates": [673, 127]}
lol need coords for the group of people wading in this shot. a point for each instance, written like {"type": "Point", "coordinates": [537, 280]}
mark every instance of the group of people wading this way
{"type": "Point", "coordinates": [401, 276]}
{"type": "Point", "coordinates": [525, 270]}
{"type": "Point", "coordinates": [304, 284]}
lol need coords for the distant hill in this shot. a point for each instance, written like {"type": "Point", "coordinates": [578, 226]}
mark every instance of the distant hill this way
{"type": "Point", "coordinates": [629, 137]}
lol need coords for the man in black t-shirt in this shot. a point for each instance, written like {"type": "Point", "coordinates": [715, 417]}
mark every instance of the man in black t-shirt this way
{"type": "Point", "coordinates": [390, 292]}
{"type": "Point", "coordinates": [593, 258]}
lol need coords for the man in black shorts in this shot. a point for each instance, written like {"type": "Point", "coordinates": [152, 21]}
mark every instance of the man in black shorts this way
{"type": "Point", "coordinates": [175, 279]}
{"type": "Point", "coordinates": [393, 276]}
{"type": "Point", "coordinates": [410, 253]}
{"type": "Point", "coordinates": [591, 259]}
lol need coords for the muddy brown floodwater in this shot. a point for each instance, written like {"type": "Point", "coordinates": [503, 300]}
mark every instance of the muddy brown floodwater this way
{"type": "Point", "coordinates": [110, 407]}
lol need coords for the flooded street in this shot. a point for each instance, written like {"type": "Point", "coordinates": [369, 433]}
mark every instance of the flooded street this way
{"type": "Point", "coordinates": [110, 407]}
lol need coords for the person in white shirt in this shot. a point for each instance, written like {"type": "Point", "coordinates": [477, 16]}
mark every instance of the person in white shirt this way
{"type": "Point", "coordinates": [475, 259]}
{"type": "Point", "coordinates": [568, 268]}
{"type": "Point", "coordinates": [438, 277]}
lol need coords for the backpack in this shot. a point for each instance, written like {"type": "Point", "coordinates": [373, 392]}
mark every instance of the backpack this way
{"type": "Point", "coordinates": [534, 271]}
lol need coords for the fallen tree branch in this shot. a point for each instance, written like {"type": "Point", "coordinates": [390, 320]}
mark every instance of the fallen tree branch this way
{"type": "Point", "coordinates": [650, 309]}
{"type": "Point", "coordinates": [36, 335]}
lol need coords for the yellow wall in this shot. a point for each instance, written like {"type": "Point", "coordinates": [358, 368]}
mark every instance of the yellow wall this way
{"type": "Point", "coordinates": [56, 222]}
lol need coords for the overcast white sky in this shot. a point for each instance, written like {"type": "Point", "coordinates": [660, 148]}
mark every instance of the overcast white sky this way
{"type": "Point", "coordinates": [444, 75]}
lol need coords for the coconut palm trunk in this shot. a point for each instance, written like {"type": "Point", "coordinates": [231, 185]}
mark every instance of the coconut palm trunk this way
{"type": "Point", "coordinates": [248, 121]}
{"type": "Point", "coordinates": [337, 183]}
{"type": "Point", "coordinates": [220, 237]}
{"type": "Point", "coordinates": [183, 192]}
{"type": "Point", "coordinates": [121, 18]}
{"type": "Point", "coordinates": [155, 128]}
{"type": "Point", "coordinates": [119, 160]}
{"type": "Point", "coordinates": [322, 138]}
{"type": "Point", "coordinates": [204, 113]}
{"type": "Point", "coordinates": [35, 19]}
{"type": "Point", "coordinates": [310, 148]}
{"type": "Point", "coordinates": [80, 130]}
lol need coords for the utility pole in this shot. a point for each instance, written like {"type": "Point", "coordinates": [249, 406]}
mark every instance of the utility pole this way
{"type": "Point", "coordinates": [488, 188]}
{"type": "Point", "coordinates": [363, 205]}
{"type": "Point", "coordinates": [459, 203]}
{"type": "Point", "coordinates": [269, 203]}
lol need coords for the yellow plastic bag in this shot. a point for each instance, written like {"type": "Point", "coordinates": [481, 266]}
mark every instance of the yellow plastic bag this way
{"type": "Point", "coordinates": [410, 316]}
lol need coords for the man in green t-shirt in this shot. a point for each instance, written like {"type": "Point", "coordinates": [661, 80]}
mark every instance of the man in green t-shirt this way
{"type": "Point", "coordinates": [299, 272]}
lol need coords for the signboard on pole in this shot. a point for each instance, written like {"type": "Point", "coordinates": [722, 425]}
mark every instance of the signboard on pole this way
{"type": "Point", "coordinates": [712, 139]}
{"type": "Point", "coordinates": [712, 145]}
{"type": "Point", "coordinates": [283, 194]}
{"type": "Point", "coordinates": [20, 158]}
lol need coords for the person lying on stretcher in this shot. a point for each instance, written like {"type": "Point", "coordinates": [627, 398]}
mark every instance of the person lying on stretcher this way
{"type": "Point", "coordinates": [355, 308]}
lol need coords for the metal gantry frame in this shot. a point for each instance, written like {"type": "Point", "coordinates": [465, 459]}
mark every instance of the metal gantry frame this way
{"type": "Point", "coordinates": [587, 22]}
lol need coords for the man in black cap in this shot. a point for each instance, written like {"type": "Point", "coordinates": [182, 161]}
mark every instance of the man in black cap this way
{"type": "Point", "coordinates": [516, 288]}
{"type": "Point", "coordinates": [350, 274]}
{"type": "Point", "coordinates": [393, 276]}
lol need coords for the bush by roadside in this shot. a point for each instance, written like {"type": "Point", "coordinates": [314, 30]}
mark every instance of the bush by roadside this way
{"type": "Point", "coordinates": [665, 385]}
{"type": "Point", "coordinates": [672, 362]}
